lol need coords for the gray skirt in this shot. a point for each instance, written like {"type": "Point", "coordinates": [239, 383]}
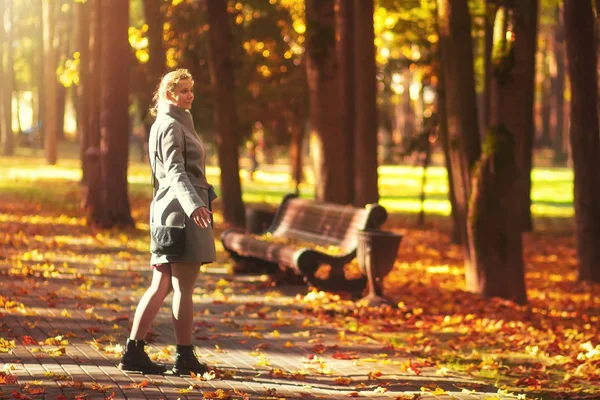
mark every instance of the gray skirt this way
{"type": "Point", "coordinates": [199, 242]}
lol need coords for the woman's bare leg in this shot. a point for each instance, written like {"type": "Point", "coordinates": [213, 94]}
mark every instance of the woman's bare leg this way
{"type": "Point", "coordinates": [183, 278]}
{"type": "Point", "coordinates": [151, 301]}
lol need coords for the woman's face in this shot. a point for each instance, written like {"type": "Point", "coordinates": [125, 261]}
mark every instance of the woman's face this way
{"type": "Point", "coordinates": [183, 95]}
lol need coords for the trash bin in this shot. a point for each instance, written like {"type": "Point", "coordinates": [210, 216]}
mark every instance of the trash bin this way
{"type": "Point", "coordinates": [376, 253]}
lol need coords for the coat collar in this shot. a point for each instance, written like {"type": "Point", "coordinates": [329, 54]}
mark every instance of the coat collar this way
{"type": "Point", "coordinates": [177, 113]}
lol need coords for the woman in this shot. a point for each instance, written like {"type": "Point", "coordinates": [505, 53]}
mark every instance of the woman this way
{"type": "Point", "coordinates": [181, 195]}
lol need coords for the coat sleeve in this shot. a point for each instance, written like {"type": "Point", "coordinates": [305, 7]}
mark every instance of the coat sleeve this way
{"type": "Point", "coordinates": [171, 151]}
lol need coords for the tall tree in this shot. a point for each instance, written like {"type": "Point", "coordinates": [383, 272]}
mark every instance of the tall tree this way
{"type": "Point", "coordinates": [154, 19]}
{"type": "Point", "coordinates": [114, 117]}
{"type": "Point", "coordinates": [584, 134]}
{"type": "Point", "coordinates": [93, 199]}
{"type": "Point", "coordinates": [490, 16]}
{"type": "Point", "coordinates": [82, 12]}
{"type": "Point", "coordinates": [495, 212]}
{"type": "Point", "coordinates": [520, 117]}
{"type": "Point", "coordinates": [157, 61]}
{"type": "Point", "coordinates": [50, 82]}
{"type": "Point", "coordinates": [456, 49]}
{"type": "Point", "coordinates": [560, 155]}
{"type": "Point", "coordinates": [365, 140]}
{"type": "Point", "coordinates": [225, 112]}
{"type": "Point", "coordinates": [64, 27]}
{"type": "Point", "coordinates": [324, 103]}
{"type": "Point", "coordinates": [8, 80]}
{"type": "Point", "coordinates": [346, 61]}
{"type": "Point", "coordinates": [39, 76]}
{"type": "Point", "coordinates": [3, 131]}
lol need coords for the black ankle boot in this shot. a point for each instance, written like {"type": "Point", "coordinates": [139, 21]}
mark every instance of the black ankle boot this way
{"type": "Point", "coordinates": [186, 361]}
{"type": "Point", "coordinates": [135, 359]}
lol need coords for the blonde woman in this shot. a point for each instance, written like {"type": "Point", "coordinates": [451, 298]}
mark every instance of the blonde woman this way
{"type": "Point", "coordinates": [181, 197]}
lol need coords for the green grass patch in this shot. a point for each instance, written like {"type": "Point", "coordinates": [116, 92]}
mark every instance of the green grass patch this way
{"type": "Point", "coordinates": [399, 186]}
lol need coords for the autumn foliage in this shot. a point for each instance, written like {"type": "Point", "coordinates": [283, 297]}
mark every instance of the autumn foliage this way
{"type": "Point", "coordinates": [549, 346]}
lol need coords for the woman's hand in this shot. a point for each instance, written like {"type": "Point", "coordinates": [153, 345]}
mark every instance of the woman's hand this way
{"type": "Point", "coordinates": [201, 216]}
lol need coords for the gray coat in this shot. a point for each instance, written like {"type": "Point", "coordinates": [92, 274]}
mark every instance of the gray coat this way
{"type": "Point", "coordinates": [181, 189]}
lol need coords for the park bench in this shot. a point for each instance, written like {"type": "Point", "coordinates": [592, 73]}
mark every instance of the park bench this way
{"type": "Point", "coordinates": [306, 235]}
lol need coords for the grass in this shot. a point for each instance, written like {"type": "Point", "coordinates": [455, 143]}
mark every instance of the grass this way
{"type": "Point", "coordinates": [399, 185]}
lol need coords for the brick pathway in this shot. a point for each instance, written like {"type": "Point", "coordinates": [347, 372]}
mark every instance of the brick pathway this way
{"type": "Point", "coordinates": [68, 321]}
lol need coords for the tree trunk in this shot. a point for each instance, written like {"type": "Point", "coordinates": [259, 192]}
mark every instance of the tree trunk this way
{"type": "Point", "coordinates": [560, 154]}
{"type": "Point", "coordinates": [40, 75]}
{"type": "Point", "coordinates": [3, 130]}
{"type": "Point", "coordinates": [408, 114]}
{"type": "Point", "coordinates": [327, 137]}
{"type": "Point", "coordinates": [521, 122]}
{"type": "Point", "coordinates": [496, 241]}
{"type": "Point", "coordinates": [463, 137]}
{"type": "Point", "coordinates": [296, 145]}
{"type": "Point", "coordinates": [156, 63]}
{"type": "Point", "coordinates": [8, 82]}
{"type": "Point", "coordinates": [455, 235]}
{"type": "Point", "coordinates": [346, 62]}
{"type": "Point", "coordinates": [154, 19]}
{"type": "Point", "coordinates": [93, 198]}
{"type": "Point", "coordinates": [490, 17]}
{"type": "Point", "coordinates": [225, 111]}
{"type": "Point", "coordinates": [63, 29]}
{"type": "Point", "coordinates": [584, 134]}
{"type": "Point", "coordinates": [114, 116]}
{"type": "Point", "coordinates": [17, 108]}
{"type": "Point", "coordinates": [596, 6]}
{"type": "Point", "coordinates": [365, 143]}
{"type": "Point", "coordinates": [50, 83]}
{"type": "Point", "coordinates": [83, 88]}
{"type": "Point", "coordinates": [496, 214]}
{"type": "Point", "coordinates": [545, 139]}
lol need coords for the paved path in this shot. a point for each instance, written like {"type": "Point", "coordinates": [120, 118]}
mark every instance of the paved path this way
{"type": "Point", "coordinates": [68, 324]}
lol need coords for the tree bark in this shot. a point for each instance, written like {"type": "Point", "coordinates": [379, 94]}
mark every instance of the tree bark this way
{"type": "Point", "coordinates": [3, 130]}
{"type": "Point", "coordinates": [544, 139]}
{"type": "Point", "coordinates": [520, 120]}
{"type": "Point", "coordinates": [82, 11]}
{"type": "Point", "coordinates": [490, 16]}
{"type": "Point", "coordinates": [455, 235]}
{"type": "Point", "coordinates": [40, 72]}
{"type": "Point", "coordinates": [50, 83]}
{"type": "Point", "coordinates": [495, 212]}
{"type": "Point", "coordinates": [154, 19]}
{"type": "Point", "coordinates": [63, 30]}
{"type": "Point", "coordinates": [325, 109]}
{"type": "Point", "coordinates": [365, 143]}
{"type": "Point", "coordinates": [584, 134]}
{"type": "Point", "coordinates": [346, 62]}
{"type": "Point", "coordinates": [225, 111]}
{"type": "Point", "coordinates": [560, 154]}
{"type": "Point", "coordinates": [156, 63]}
{"type": "Point", "coordinates": [296, 145]}
{"type": "Point", "coordinates": [93, 198]}
{"type": "Point", "coordinates": [114, 117]}
{"type": "Point", "coordinates": [463, 137]}
{"type": "Point", "coordinates": [496, 241]}
{"type": "Point", "coordinates": [408, 113]}
{"type": "Point", "coordinates": [8, 81]}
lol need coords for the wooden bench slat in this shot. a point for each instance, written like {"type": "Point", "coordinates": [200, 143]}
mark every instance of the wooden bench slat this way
{"type": "Point", "coordinates": [303, 221]}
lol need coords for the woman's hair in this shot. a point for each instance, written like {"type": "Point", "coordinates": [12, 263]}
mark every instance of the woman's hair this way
{"type": "Point", "coordinates": [168, 83]}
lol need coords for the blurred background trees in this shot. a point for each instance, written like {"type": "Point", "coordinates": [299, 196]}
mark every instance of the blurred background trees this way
{"type": "Point", "coordinates": [337, 88]}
